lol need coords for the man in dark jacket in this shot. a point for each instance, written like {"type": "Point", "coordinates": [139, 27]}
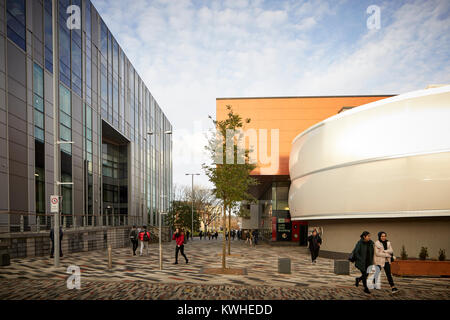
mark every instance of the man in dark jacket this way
{"type": "Point", "coordinates": [363, 255]}
{"type": "Point", "coordinates": [52, 237]}
{"type": "Point", "coordinates": [314, 241]}
{"type": "Point", "coordinates": [134, 239]}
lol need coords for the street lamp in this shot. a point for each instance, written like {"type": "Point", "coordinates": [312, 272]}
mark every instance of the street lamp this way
{"type": "Point", "coordinates": [160, 227]}
{"type": "Point", "coordinates": [192, 174]}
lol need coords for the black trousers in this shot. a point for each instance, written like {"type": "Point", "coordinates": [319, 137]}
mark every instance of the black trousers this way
{"type": "Point", "coordinates": [387, 270]}
{"type": "Point", "coordinates": [314, 253]}
{"type": "Point", "coordinates": [53, 249]}
{"type": "Point", "coordinates": [363, 277]}
{"type": "Point", "coordinates": [180, 249]}
{"type": "Point", "coordinates": [135, 245]}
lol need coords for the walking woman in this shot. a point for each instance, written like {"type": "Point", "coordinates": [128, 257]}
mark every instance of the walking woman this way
{"type": "Point", "coordinates": [383, 257]}
{"type": "Point", "coordinates": [363, 256]}
{"type": "Point", "coordinates": [314, 241]}
{"type": "Point", "coordinates": [179, 239]}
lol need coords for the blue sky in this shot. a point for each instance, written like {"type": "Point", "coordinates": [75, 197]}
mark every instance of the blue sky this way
{"type": "Point", "coordinates": [191, 52]}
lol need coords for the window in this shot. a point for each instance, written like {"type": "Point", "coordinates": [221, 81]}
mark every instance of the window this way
{"type": "Point", "coordinates": [65, 111]}
{"type": "Point", "coordinates": [88, 19]}
{"type": "Point", "coordinates": [48, 28]}
{"type": "Point", "coordinates": [15, 16]}
{"type": "Point", "coordinates": [38, 102]}
{"type": "Point", "coordinates": [103, 39]}
{"type": "Point", "coordinates": [64, 44]}
{"type": "Point", "coordinates": [76, 68]}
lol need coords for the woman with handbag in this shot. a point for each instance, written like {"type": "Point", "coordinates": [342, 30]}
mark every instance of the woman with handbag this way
{"type": "Point", "coordinates": [363, 255]}
{"type": "Point", "coordinates": [384, 255]}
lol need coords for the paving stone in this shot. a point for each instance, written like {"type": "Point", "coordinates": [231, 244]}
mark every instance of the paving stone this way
{"type": "Point", "coordinates": [140, 277]}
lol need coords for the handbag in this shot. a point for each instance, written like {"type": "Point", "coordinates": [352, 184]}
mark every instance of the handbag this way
{"type": "Point", "coordinates": [351, 257]}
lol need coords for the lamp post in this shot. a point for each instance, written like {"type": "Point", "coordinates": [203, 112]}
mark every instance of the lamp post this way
{"type": "Point", "coordinates": [160, 227]}
{"type": "Point", "coordinates": [160, 243]}
{"type": "Point", "coordinates": [192, 174]}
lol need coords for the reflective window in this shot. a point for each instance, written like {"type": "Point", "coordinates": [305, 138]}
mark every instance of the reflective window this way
{"type": "Point", "coordinates": [48, 28]}
{"type": "Point", "coordinates": [38, 101]}
{"type": "Point", "coordinates": [15, 16]}
{"type": "Point", "coordinates": [65, 112]}
{"type": "Point", "coordinates": [64, 44]}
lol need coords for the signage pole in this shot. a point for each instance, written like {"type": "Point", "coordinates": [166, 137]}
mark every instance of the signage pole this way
{"type": "Point", "coordinates": [55, 131]}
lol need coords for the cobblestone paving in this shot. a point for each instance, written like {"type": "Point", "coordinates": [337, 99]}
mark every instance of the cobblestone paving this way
{"type": "Point", "coordinates": [135, 277]}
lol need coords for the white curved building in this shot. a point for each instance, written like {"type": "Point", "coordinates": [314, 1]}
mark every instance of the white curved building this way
{"type": "Point", "coordinates": [382, 166]}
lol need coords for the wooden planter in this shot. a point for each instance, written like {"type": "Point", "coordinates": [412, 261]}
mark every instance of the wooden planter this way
{"type": "Point", "coordinates": [420, 268]}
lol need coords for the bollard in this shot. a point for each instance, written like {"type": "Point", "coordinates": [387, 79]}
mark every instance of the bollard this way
{"type": "Point", "coordinates": [284, 265]}
{"type": "Point", "coordinates": [109, 257]}
{"type": "Point", "coordinates": [342, 267]}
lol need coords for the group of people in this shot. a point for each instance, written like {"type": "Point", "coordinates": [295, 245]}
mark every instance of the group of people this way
{"type": "Point", "coordinates": [365, 254]}
{"type": "Point", "coordinates": [208, 235]}
{"type": "Point", "coordinates": [142, 236]}
{"type": "Point", "coordinates": [139, 236]}
{"type": "Point", "coordinates": [251, 237]}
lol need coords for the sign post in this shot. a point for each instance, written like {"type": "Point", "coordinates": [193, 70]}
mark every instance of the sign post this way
{"type": "Point", "coordinates": [54, 208]}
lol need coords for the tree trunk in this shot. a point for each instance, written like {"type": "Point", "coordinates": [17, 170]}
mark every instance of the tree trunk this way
{"type": "Point", "coordinates": [224, 247]}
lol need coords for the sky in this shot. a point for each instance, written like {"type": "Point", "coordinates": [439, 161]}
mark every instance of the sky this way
{"type": "Point", "coordinates": [191, 52]}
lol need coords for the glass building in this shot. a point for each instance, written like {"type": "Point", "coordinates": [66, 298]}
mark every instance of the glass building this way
{"type": "Point", "coordinates": [121, 173]}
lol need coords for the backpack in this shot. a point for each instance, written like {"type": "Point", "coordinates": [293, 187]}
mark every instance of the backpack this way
{"type": "Point", "coordinates": [146, 237]}
{"type": "Point", "coordinates": [133, 235]}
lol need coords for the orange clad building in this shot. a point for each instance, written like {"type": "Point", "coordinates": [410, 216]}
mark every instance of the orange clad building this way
{"type": "Point", "coordinates": [277, 121]}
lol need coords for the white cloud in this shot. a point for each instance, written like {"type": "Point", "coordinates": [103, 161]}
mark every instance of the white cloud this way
{"type": "Point", "coordinates": [189, 55]}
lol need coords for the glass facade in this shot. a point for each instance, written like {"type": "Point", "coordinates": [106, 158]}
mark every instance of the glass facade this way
{"type": "Point", "coordinates": [15, 17]}
{"type": "Point", "coordinates": [112, 165]}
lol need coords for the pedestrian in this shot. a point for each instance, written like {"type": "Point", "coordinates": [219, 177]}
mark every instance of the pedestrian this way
{"type": "Point", "coordinates": [384, 256]}
{"type": "Point", "coordinates": [216, 235]}
{"type": "Point", "coordinates": [255, 237]}
{"type": "Point", "coordinates": [187, 235]}
{"type": "Point", "coordinates": [249, 237]}
{"type": "Point", "coordinates": [200, 234]}
{"type": "Point", "coordinates": [239, 234]}
{"type": "Point", "coordinates": [209, 235]}
{"type": "Point", "coordinates": [144, 237]}
{"type": "Point", "coordinates": [226, 235]}
{"type": "Point", "coordinates": [363, 257]}
{"type": "Point", "coordinates": [134, 235]}
{"type": "Point", "coordinates": [315, 241]}
{"type": "Point", "coordinates": [178, 236]}
{"type": "Point", "coordinates": [52, 238]}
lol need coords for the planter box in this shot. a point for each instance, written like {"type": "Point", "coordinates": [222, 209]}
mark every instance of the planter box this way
{"type": "Point", "coordinates": [420, 268]}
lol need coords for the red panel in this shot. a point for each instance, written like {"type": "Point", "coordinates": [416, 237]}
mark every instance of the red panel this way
{"type": "Point", "coordinates": [274, 228]}
{"type": "Point", "coordinates": [296, 231]}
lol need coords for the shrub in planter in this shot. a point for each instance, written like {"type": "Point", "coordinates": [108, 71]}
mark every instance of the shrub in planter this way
{"type": "Point", "coordinates": [403, 254]}
{"type": "Point", "coordinates": [441, 255]}
{"type": "Point", "coordinates": [423, 255]}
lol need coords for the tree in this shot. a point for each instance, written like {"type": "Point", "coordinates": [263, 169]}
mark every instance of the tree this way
{"type": "Point", "coordinates": [180, 215]}
{"type": "Point", "coordinates": [231, 180]}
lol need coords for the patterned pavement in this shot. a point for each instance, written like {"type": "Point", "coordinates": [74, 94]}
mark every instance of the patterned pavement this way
{"type": "Point", "coordinates": [135, 277]}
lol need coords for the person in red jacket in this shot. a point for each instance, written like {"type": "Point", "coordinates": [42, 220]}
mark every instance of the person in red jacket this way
{"type": "Point", "coordinates": [178, 236]}
{"type": "Point", "coordinates": [144, 238]}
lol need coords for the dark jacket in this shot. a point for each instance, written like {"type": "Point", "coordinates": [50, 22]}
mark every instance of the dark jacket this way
{"type": "Point", "coordinates": [362, 260]}
{"type": "Point", "coordinates": [52, 236]}
{"type": "Point", "coordinates": [314, 242]}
